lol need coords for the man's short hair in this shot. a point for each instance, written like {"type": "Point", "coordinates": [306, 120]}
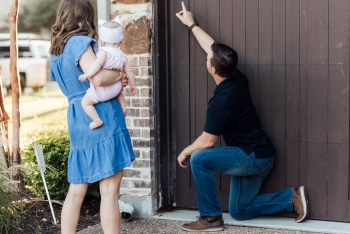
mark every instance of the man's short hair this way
{"type": "Point", "coordinates": [224, 59]}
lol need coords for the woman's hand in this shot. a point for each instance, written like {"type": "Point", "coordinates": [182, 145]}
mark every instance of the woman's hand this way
{"type": "Point", "coordinates": [125, 81]}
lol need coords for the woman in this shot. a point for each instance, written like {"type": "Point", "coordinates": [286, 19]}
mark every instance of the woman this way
{"type": "Point", "coordinates": [98, 155]}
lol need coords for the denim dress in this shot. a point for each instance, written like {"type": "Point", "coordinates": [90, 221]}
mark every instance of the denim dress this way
{"type": "Point", "coordinates": [94, 154]}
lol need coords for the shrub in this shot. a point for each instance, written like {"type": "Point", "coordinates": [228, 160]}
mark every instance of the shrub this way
{"type": "Point", "coordinates": [11, 210]}
{"type": "Point", "coordinates": [55, 143]}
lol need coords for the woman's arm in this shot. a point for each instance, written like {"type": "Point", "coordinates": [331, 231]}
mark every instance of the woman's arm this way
{"type": "Point", "coordinates": [104, 77]}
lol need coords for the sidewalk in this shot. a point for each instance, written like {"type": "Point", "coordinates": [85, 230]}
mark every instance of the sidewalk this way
{"type": "Point", "coordinates": [170, 223]}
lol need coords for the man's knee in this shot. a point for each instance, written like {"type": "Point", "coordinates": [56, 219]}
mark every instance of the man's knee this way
{"type": "Point", "coordinates": [237, 214]}
{"type": "Point", "coordinates": [194, 158]}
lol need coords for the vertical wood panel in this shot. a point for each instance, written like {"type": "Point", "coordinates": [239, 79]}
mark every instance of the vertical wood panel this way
{"type": "Point", "coordinates": [339, 18]}
{"type": "Point", "coordinates": [252, 32]}
{"type": "Point", "coordinates": [252, 50]}
{"type": "Point", "coordinates": [337, 193]}
{"type": "Point", "coordinates": [226, 20]}
{"type": "Point", "coordinates": [199, 9]}
{"type": "Point", "coordinates": [180, 74]}
{"type": "Point", "coordinates": [293, 164]}
{"type": "Point", "coordinates": [239, 33]}
{"type": "Point", "coordinates": [316, 99]}
{"type": "Point", "coordinates": [317, 165]}
{"type": "Point", "coordinates": [338, 104]}
{"type": "Point", "coordinates": [292, 31]}
{"type": "Point", "coordinates": [265, 61]}
{"type": "Point", "coordinates": [292, 103]}
{"type": "Point", "coordinates": [338, 99]}
{"type": "Point", "coordinates": [265, 31]}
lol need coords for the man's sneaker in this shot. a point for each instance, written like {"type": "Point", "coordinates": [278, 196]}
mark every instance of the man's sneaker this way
{"type": "Point", "coordinates": [205, 224]}
{"type": "Point", "coordinates": [301, 204]}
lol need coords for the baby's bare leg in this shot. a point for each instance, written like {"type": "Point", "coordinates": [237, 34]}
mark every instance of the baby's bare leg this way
{"type": "Point", "coordinates": [122, 103]}
{"type": "Point", "coordinates": [88, 106]}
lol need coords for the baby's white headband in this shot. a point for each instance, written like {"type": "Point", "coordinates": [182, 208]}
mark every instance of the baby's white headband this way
{"type": "Point", "coordinates": [110, 35]}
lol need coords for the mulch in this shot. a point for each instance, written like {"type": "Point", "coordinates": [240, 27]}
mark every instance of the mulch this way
{"type": "Point", "coordinates": [38, 216]}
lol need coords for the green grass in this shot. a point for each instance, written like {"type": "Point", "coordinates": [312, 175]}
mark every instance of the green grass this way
{"type": "Point", "coordinates": [35, 96]}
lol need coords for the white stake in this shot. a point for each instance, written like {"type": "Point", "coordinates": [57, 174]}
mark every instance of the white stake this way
{"type": "Point", "coordinates": [38, 149]}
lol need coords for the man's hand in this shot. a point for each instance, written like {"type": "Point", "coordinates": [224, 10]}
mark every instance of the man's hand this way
{"type": "Point", "coordinates": [185, 16]}
{"type": "Point", "coordinates": [182, 158]}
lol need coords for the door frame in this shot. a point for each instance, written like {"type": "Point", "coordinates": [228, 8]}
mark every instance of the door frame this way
{"type": "Point", "coordinates": [164, 144]}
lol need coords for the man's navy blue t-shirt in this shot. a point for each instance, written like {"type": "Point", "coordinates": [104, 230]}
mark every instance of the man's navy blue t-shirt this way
{"type": "Point", "coordinates": [231, 113]}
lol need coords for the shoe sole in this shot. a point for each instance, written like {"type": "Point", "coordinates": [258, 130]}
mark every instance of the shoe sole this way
{"type": "Point", "coordinates": [214, 229]}
{"type": "Point", "coordinates": [305, 202]}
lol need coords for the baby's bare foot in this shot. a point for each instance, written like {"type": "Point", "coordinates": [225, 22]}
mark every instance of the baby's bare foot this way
{"type": "Point", "coordinates": [95, 124]}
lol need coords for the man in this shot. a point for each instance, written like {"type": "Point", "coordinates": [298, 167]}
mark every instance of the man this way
{"type": "Point", "coordinates": [249, 154]}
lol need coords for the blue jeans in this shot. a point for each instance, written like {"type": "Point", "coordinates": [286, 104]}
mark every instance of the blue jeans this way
{"type": "Point", "coordinates": [247, 175]}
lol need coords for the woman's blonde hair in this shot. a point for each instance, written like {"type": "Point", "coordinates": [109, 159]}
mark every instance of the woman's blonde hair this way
{"type": "Point", "coordinates": [73, 18]}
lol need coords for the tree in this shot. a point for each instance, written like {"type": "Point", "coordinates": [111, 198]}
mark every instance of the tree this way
{"type": "Point", "coordinates": [16, 121]}
{"type": "Point", "coordinates": [38, 15]}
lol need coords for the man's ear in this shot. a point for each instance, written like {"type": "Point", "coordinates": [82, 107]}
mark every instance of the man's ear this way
{"type": "Point", "coordinates": [213, 70]}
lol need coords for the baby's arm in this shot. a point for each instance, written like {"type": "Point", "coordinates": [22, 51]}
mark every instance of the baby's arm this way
{"type": "Point", "coordinates": [132, 81]}
{"type": "Point", "coordinates": [122, 102]}
{"type": "Point", "coordinates": [95, 66]}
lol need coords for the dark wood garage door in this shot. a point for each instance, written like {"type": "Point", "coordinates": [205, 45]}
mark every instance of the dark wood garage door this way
{"type": "Point", "coordinates": [295, 54]}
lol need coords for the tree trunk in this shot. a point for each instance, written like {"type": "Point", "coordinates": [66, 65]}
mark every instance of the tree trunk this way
{"type": "Point", "coordinates": [15, 89]}
{"type": "Point", "coordinates": [4, 122]}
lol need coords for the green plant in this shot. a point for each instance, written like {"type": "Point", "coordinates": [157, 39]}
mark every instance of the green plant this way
{"type": "Point", "coordinates": [11, 208]}
{"type": "Point", "coordinates": [55, 144]}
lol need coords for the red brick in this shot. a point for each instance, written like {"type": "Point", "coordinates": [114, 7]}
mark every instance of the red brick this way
{"type": "Point", "coordinates": [143, 82]}
{"type": "Point", "coordinates": [145, 133]}
{"type": "Point", "coordinates": [142, 102]}
{"type": "Point", "coordinates": [141, 122]}
{"type": "Point", "coordinates": [132, 112]}
{"type": "Point", "coordinates": [135, 70]}
{"type": "Point", "coordinates": [134, 132]}
{"type": "Point", "coordinates": [137, 153]}
{"type": "Point", "coordinates": [146, 154]}
{"type": "Point", "coordinates": [144, 71]}
{"type": "Point", "coordinates": [131, 173]}
{"type": "Point", "coordinates": [145, 113]}
{"type": "Point", "coordinates": [143, 61]}
{"type": "Point", "coordinates": [145, 92]}
{"type": "Point", "coordinates": [140, 143]}
{"type": "Point", "coordinates": [139, 163]}
{"type": "Point", "coordinates": [133, 61]}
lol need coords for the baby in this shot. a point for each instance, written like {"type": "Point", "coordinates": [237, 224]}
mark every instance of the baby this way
{"type": "Point", "coordinates": [109, 56]}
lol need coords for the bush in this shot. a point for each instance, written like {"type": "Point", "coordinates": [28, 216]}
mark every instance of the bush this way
{"type": "Point", "coordinates": [11, 209]}
{"type": "Point", "coordinates": [55, 143]}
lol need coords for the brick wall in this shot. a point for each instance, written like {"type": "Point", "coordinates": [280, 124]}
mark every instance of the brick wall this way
{"type": "Point", "coordinates": [136, 17]}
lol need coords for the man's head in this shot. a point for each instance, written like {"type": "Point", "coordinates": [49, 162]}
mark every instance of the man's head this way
{"type": "Point", "coordinates": [222, 61]}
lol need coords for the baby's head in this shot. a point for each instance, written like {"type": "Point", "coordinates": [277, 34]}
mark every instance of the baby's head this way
{"type": "Point", "coordinates": [111, 31]}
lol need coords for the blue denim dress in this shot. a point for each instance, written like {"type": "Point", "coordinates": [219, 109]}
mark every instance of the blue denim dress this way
{"type": "Point", "coordinates": [94, 154]}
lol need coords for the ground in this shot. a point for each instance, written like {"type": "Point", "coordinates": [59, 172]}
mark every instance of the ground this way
{"type": "Point", "coordinates": [39, 218]}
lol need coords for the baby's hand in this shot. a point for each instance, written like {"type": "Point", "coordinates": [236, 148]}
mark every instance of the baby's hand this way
{"type": "Point", "coordinates": [132, 90]}
{"type": "Point", "coordinates": [83, 77]}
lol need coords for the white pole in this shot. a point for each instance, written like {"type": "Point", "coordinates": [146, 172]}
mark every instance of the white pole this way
{"type": "Point", "coordinates": [48, 196]}
{"type": "Point", "coordinates": [38, 149]}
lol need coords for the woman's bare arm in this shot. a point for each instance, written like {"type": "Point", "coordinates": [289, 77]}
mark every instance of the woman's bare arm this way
{"type": "Point", "coordinates": [104, 77]}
